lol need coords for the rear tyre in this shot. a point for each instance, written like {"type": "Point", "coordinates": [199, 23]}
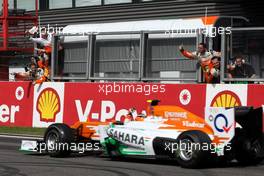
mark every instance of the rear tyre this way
{"type": "Point", "coordinates": [190, 152]}
{"type": "Point", "coordinates": [247, 155]}
{"type": "Point", "coordinates": [58, 138]}
{"type": "Point", "coordinates": [247, 152]}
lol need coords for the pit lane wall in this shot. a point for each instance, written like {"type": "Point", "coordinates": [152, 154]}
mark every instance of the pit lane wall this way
{"type": "Point", "coordinates": [25, 105]}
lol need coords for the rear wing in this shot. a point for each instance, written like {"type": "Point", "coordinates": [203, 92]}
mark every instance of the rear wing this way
{"type": "Point", "coordinates": [251, 120]}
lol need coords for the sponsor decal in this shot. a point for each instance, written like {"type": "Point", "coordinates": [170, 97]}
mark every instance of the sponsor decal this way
{"type": "Point", "coordinates": [185, 97]}
{"type": "Point", "coordinates": [211, 118]}
{"type": "Point", "coordinates": [126, 137]}
{"type": "Point", "coordinates": [222, 122]}
{"type": "Point", "coordinates": [176, 114]}
{"type": "Point", "coordinates": [107, 112]}
{"type": "Point", "coordinates": [48, 105]}
{"type": "Point", "coordinates": [192, 124]}
{"type": "Point", "coordinates": [20, 93]}
{"type": "Point", "coordinates": [222, 128]}
{"type": "Point", "coordinates": [230, 95]}
{"type": "Point", "coordinates": [16, 102]}
{"type": "Point", "coordinates": [8, 113]}
{"type": "Point", "coordinates": [226, 99]}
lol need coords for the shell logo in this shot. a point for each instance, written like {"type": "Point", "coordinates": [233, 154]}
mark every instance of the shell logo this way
{"type": "Point", "coordinates": [48, 105]}
{"type": "Point", "coordinates": [226, 99]}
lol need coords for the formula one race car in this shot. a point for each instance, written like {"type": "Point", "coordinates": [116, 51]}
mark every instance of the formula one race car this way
{"type": "Point", "coordinates": [169, 132]}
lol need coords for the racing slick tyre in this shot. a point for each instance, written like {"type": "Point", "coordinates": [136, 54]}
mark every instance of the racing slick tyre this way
{"type": "Point", "coordinates": [190, 152]}
{"type": "Point", "coordinates": [58, 138]}
{"type": "Point", "coordinates": [246, 151]}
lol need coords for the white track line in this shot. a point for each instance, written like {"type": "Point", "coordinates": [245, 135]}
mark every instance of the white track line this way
{"type": "Point", "coordinates": [20, 137]}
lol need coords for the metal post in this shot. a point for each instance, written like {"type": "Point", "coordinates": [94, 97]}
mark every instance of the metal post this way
{"type": "Point", "coordinates": [199, 39]}
{"type": "Point", "coordinates": [5, 24]}
{"type": "Point", "coordinates": [36, 14]}
{"type": "Point", "coordinates": [90, 56]}
{"type": "Point", "coordinates": [210, 43]}
{"type": "Point", "coordinates": [224, 56]}
{"type": "Point", "coordinates": [54, 55]}
{"type": "Point", "coordinates": [15, 4]}
{"type": "Point", "coordinates": [142, 54]}
{"type": "Point", "coordinates": [88, 59]}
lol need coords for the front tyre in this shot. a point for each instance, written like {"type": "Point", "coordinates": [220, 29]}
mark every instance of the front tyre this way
{"type": "Point", "coordinates": [190, 152]}
{"type": "Point", "coordinates": [58, 138]}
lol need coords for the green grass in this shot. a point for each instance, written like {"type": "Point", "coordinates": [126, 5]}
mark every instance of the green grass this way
{"type": "Point", "coordinates": [22, 131]}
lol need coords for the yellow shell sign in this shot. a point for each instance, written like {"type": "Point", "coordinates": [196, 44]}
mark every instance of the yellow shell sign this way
{"type": "Point", "coordinates": [48, 105]}
{"type": "Point", "coordinates": [226, 99]}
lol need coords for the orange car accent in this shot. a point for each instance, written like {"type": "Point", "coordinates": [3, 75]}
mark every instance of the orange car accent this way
{"type": "Point", "coordinates": [85, 129]}
{"type": "Point", "coordinates": [180, 119]}
{"type": "Point", "coordinates": [176, 117]}
{"type": "Point", "coordinates": [218, 140]}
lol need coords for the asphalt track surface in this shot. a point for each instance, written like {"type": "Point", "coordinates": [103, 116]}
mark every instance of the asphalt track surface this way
{"type": "Point", "coordinates": [15, 163]}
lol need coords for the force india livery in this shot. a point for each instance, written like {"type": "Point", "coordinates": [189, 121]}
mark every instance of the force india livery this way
{"type": "Point", "coordinates": [168, 132]}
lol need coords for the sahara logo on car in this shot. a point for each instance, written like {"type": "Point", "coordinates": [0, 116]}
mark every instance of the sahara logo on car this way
{"type": "Point", "coordinates": [219, 120]}
{"type": "Point", "coordinates": [48, 105]}
{"type": "Point", "coordinates": [126, 137]}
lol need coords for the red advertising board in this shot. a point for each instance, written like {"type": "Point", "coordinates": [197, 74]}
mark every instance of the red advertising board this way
{"type": "Point", "coordinates": [110, 101]}
{"type": "Point", "coordinates": [16, 102]}
{"type": "Point", "coordinates": [22, 104]}
{"type": "Point", "coordinates": [255, 95]}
